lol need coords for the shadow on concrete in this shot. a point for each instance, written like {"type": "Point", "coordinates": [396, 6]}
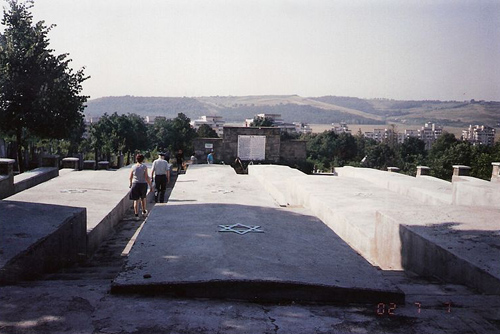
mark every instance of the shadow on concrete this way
{"type": "Point", "coordinates": [181, 251]}
{"type": "Point", "coordinates": [453, 254]}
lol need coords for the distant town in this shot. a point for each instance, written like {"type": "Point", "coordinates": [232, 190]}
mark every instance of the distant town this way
{"type": "Point", "coordinates": [428, 132]}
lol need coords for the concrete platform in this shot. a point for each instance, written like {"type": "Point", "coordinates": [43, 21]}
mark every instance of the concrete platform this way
{"type": "Point", "coordinates": [459, 245]}
{"type": "Point", "coordinates": [33, 241]}
{"type": "Point", "coordinates": [181, 250]}
{"type": "Point", "coordinates": [424, 189]}
{"type": "Point", "coordinates": [104, 194]}
{"type": "Point", "coordinates": [400, 222]}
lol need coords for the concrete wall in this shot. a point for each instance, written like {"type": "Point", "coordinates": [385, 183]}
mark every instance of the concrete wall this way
{"type": "Point", "coordinates": [6, 186]}
{"type": "Point", "coordinates": [201, 151]}
{"type": "Point", "coordinates": [6, 177]}
{"type": "Point", "coordinates": [34, 177]}
{"type": "Point", "coordinates": [275, 180]}
{"type": "Point", "coordinates": [472, 191]}
{"type": "Point", "coordinates": [293, 150]}
{"type": "Point", "coordinates": [230, 145]}
{"type": "Point", "coordinates": [426, 257]}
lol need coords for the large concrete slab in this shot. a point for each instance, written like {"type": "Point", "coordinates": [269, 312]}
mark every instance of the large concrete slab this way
{"type": "Point", "coordinates": [424, 189]}
{"type": "Point", "coordinates": [103, 193]}
{"type": "Point", "coordinates": [39, 238]}
{"type": "Point", "coordinates": [400, 222]}
{"type": "Point", "coordinates": [181, 250]}
{"type": "Point", "coordinates": [457, 244]}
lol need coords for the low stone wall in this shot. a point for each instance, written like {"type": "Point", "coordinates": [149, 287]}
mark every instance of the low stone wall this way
{"type": "Point", "coordinates": [39, 238]}
{"type": "Point", "coordinates": [6, 186]}
{"type": "Point", "coordinates": [34, 177]}
{"type": "Point", "coordinates": [275, 180]}
{"type": "Point", "coordinates": [472, 191]}
{"type": "Point", "coordinates": [6, 177]}
{"type": "Point", "coordinates": [293, 150]}
{"type": "Point", "coordinates": [203, 146]}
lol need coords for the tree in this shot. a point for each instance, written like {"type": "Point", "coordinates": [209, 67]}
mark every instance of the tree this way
{"type": "Point", "coordinates": [118, 134]}
{"type": "Point", "coordinates": [411, 154]}
{"type": "Point", "coordinates": [442, 156]}
{"type": "Point", "coordinates": [159, 134]}
{"type": "Point", "coordinates": [39, 93]}
{"type": "Point", "coordinates": [262, 122]}
{"type": "Point", "coordinates": [380, 156]}
{"type": "Point", "coordinates": [182, 134]}
{"type": "Point", "coordinates": [173, 134]}
{"type": "Point", "coordinates": [205, 131]}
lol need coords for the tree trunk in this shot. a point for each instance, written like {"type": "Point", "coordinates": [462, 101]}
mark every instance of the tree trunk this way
{"type": "Point", "coordinates": [19, 138]}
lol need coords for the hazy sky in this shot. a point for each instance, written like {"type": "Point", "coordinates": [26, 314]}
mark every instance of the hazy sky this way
{"type": "Point", "coordinates": [400, 49]}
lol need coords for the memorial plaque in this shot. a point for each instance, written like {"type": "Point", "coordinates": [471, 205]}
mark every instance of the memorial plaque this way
{"type": "Point", "coordinates": [252, 147]}
{"type": "Point", "coordinates": [209, 145]}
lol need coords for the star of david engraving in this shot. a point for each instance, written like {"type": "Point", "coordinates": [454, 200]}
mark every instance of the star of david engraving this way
{"type": "Point", "coordinates": [240, 228]}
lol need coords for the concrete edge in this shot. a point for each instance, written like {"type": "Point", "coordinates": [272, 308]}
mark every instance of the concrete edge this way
{"type": "Point", "coordinates": [62, 248]}
{"type": "Point", "coordinates": [418, 253]}
{"type": "Point", "coordinates": [263, 291]}
{"type": "Point", "coordinates": [47, 174]}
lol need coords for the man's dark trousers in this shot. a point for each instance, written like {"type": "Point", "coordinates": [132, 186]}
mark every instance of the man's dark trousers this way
{"type": "Point", "coordinates": [161, 186]}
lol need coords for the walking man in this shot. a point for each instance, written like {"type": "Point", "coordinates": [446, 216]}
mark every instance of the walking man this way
{"type": "Point", "coordinates": [179, 157]}
{"type": "Point", "coordinates": [160, 172]}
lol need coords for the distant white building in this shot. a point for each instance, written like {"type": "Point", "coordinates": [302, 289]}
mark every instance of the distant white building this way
{"type": "Point", "coordinates": [479, 135]}
{"type": "Point", "coordinates": [410, 133]}
{"type": "Point", "coordinates": [215, 122]}
{"type": "Point", "coordinates": [92, 119]}
{"type": "Point", "coordinates": [341, 128]}
{"type": "Point", "coordinates": [150, 119]}
{"type": "Point", "coordinates": [429, 133]}
{"type": "Point", "coordinates": [379, 135]}
{"type": "Point", "coordinates": [302, 127]}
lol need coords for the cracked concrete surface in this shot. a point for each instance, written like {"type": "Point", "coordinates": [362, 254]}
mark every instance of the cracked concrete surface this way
{"type": "Point", "coordinates": [77, 300]}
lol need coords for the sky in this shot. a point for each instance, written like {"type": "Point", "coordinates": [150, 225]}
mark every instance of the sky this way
{"type": "Point", "coordinates": [395, 49]}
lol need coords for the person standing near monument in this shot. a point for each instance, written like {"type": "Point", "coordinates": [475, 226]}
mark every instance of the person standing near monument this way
{"type": "Point", "coordinates": [210, 158]}
{"type": "Point", "coordinates": [179, 157]}
{"type": "Point", "coordinates": [193, 159]}
{"type": "Point", "coordinates": [139, 180]}
{"type": "Point", "coordinates": [160, 172]}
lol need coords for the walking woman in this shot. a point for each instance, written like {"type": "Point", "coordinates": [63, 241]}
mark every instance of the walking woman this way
{"type": "Point", "coordinates": [139, 181]}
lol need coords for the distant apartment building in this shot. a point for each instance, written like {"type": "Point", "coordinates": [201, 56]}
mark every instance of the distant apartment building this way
{"type": "Point", "coordinates": [215, 122]}
{"type": "Point", "coordinates": [429, 133]}
{"type": "Point", "coordinates": [151, 119]}
{"type": "Point", "coordinates": [379, 135]}
{"type": "Point", "coordinates": [479, 135]}
{"type": "Point", "coordinates": [302, 127]}
{"type": "Point", "coordinates": [341, 128]}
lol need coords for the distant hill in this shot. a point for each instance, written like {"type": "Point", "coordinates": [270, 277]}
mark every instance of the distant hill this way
{"type": "Point", "coordinates": [317, 110]}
